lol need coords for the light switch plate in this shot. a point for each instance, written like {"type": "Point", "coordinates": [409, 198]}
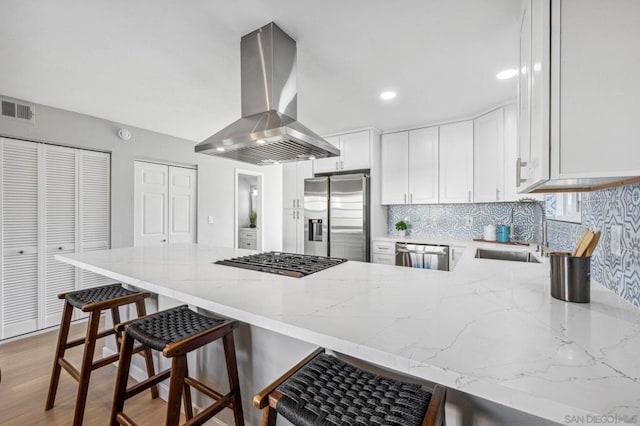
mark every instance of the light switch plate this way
{"type": "Point", "coordinates": [209, 220]}
{"type": "Point", "coordinates": [616, 239]}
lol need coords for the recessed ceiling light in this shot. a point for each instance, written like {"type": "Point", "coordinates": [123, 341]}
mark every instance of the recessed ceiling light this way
{"type": "Point", "coordinates": [312, 157]}
{"type": "Point", "coordinates": [261, 141]}
{"type": "Point", "coordinates": [220, 149]}
{"type": "Point", "coordinates": [506, 74]}
{"type": "Point", "coordinates": [387, 95]}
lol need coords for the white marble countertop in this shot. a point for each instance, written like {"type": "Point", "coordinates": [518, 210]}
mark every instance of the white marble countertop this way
{"type": "Point", "coordinates": [489, 328]}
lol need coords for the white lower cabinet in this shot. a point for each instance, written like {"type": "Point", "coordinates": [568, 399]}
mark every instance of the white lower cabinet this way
{"type": "Point", "coordinates": [293, 231]}
{"type": "Point", "coordinates": [54, 200]}
{"type": "Point", "coordinates": [248, 238]}
{"type": "Point", "coordinates": [383, 252]}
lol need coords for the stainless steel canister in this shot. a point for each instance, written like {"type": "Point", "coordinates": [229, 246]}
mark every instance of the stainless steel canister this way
{"type": "Point", "coordinates": [570, 277]}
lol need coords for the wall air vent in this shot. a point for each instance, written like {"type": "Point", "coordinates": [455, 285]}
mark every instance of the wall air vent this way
{"type": "Point", "coordinates": [17, 110]}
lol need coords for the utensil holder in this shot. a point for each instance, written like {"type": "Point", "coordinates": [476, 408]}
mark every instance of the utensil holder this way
{"type": "Point", "coordinates": [570, 277]}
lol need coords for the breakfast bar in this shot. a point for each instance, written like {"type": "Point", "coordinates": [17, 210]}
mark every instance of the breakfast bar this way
{"type": "Point", "coordinates": [490, 332]}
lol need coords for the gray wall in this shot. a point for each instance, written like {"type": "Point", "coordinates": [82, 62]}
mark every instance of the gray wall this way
{"type": "Point", "coordinates": [216, 176]}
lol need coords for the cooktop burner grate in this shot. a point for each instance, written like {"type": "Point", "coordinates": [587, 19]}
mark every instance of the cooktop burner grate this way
{"type": "Point", "coordinates": [289, 264]}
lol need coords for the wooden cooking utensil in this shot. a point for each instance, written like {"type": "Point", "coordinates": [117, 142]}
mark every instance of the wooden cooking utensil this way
{"type": "Point", "coordinates": [593, 244]}
{"type": "Point", "coordinates": [583, 244]}
{"type": "Point", "coordinates": [582, 237]}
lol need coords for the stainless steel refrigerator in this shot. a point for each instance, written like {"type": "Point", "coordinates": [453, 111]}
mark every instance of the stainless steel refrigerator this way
{"type": "Point", "coordinates": [336, 216]}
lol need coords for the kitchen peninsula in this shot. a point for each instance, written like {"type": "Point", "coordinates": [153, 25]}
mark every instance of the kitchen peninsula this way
{"type": "Point", "coordinates": [488, 328]}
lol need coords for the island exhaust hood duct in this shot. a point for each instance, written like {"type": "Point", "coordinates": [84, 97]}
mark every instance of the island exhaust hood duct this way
{"type": "Point", "coordinates": [268, 132]}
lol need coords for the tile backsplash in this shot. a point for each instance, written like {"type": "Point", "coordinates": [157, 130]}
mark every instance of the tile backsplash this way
{"type": "Point", "coordinates": [601, 210]}
{"type": "Point", "coordinates": [467, 221]}
{"type": "Point", "coordinates": [619, 270]}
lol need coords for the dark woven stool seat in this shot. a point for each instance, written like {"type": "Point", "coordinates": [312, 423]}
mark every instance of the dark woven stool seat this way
{"type": "Point", "coordinates": [170, 326]}
{"type": "Point", "coordinates": [328, 391]}
{"type": "Point", "coordinates": [80, 298]}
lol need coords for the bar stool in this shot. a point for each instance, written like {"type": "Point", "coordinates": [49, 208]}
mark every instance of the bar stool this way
{"type": "Point", "coordinates": [93, 300]}
{"type": "Point", "coordinates": [176, 332]}
{"type": "Point", "coordinates": [322, 389]}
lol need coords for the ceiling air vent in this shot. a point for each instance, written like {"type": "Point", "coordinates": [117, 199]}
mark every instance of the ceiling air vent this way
{"type": "Point", "coordinates": [17, 110]}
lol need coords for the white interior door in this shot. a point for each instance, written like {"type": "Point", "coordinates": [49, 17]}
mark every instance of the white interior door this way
{"type": "Point", "coordinates": [151, 204]}
{"type": "Point", "coordinates": [60, 222]}
{"type": "Point", "coordinates": [165, 204]}
{"type": "Point", "coordinates": [20, 237]}
{"type": "Point", "coordinates": [182, 205]}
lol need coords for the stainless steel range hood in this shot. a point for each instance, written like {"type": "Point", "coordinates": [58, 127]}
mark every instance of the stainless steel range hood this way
{"type": "Point", "coordinates": [268, 131]}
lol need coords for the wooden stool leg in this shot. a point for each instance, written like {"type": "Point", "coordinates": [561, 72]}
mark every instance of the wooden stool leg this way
{"type": "Point", "coordinates": [232, 373]}
{"type": "Point", "coordinates": [124, 363]}
{"type": "Point", "coordinates": [115, 315]}
{"type": "Point", "coordinates": [148, 357]}
{"type": "Point", "coordinates": [85, 369]}
{"type": "Point", "coordinates": [188, 406]}
{"type": "Point", "coordinates": [63, 335]}
{"type": "Point", "coordinates": [269, 416]}
{"type": "Point", "coordinates": [176, 385]}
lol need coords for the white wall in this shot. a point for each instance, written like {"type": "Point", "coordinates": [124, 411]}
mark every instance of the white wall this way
{"type": "Point", "coordinates": [215, 175]}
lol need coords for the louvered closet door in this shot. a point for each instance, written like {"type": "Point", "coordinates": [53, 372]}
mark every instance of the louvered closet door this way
{"type": "Point", "coordinates": [60, 221]}
{"type": "Point", "coordinates": [94, 207]}
{"type": "Point", "coordinates": [20, 230]}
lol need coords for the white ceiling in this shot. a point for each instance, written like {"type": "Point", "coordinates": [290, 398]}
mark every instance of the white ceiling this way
{"type": "Point", "coordinates": [174, 66]}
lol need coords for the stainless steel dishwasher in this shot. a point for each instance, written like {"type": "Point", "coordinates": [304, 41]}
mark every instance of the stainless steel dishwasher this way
{"type": "Point", "coordinates": [425, 256]}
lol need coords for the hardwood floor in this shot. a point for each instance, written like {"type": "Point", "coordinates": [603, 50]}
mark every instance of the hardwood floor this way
{"type": "Point", "coordinates": [26, 369]}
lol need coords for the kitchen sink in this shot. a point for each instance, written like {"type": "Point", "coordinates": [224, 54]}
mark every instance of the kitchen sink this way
{"type": "Point", "coordinates": [513, 256]}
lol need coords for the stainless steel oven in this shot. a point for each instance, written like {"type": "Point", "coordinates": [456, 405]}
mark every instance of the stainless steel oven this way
{"type": "Point", "coordinates": [425, 256]}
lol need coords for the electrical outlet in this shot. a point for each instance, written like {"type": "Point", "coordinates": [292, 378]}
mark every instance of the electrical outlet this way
{"type": "Point", "coordinates": [616, 239]}
{"type": "Point", "coordinates": [468, 221]}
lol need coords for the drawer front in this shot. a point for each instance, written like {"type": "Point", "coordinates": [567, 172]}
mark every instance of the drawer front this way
{"type": "Point", "coordinates": [384, 247]}
{"type": "Point", "coordinates": [247, 235]}
{"type": "Point", "coordinates": [385, 259]}
{"type": "Point", "coordinates": [247, 244]}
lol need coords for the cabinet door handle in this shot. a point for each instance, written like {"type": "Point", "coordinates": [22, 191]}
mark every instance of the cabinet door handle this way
{"type": "Point", "coordinates": [469, 196]}
{"type": "Point", "coordinates": [411, 198]}
{"type": "Point", "coordinates": [337, 165]}
{"type": "Point", "coordinates": [60, 248]}
{"type": "Point", "coordinates": [519, 165]}
{"type": "Point", "coordinates": [405, 198]}
{"type": "Point", "coordinates": [163, 241]}
{"type": "Point", "coordinates": [293, 204]}
{"type": "Point", "coordinates": [497, 194]}
{"type": "Point", "coordinates": [21, 252]}
{"type": "Point", "coordinates": [341, 165]}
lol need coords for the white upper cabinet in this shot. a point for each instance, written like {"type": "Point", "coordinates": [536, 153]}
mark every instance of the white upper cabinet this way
{"type": "Point", "coordinates": [293, 176]}
{"type": "Point", "coordinates": [532, 163]}
{"type": "Point", "coordinates": [580, 63]}
{"type": "Point", "coordinates": [395, 168]}
{"type": "Point", "coordinates": [423, 166]}
{"type": "Point", "coordinates": [355, 153]}
{"type": "Point", "coordinates": [331, 164]}
{"type": "Point", "coordinates": [488, 140]}
{"type": "Point", "coordinates": [410, 167]}
{"type": "Point", "coordinates": [596, 127]}
{"type": "Point", "coordinates": [456, 162]}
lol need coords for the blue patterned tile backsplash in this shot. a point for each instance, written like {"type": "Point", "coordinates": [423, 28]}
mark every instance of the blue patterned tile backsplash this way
{"type": "Point", "coordinates": [467, 221]}
{"type": "Point", "coordinates": [600, 211]}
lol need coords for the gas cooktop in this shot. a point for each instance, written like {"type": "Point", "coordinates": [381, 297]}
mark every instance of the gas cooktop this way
{"type": "Point", "coordinates": [288, 264]}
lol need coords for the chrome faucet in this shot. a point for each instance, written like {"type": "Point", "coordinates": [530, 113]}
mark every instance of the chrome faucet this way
{"type": "Point", "coordinates": [543, 246]}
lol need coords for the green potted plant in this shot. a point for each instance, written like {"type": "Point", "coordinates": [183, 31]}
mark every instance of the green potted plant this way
{"type": "Point", "coordinates": [401, 227]}
{"type": "Point", "coordinates": [253, 217]}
